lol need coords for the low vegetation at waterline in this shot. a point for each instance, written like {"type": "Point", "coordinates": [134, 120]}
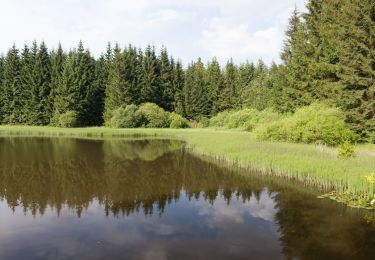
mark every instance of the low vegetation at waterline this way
{"type": "Point", "coordinates": [317, 123]}
{"type": "Point", "coordinates": [316, 165]}
{"type": "Point", "coordinates": [146, 115]}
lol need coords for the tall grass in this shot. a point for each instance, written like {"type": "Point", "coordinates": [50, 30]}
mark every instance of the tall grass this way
{"type": "Point", "coordinates": [315, 165]}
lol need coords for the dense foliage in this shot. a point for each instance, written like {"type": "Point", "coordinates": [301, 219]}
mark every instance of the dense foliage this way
{"type": "Point", "coordinates": [316, 123]}
{"type": "Point", "coordinates": [328, 57]}
{"type": "Point", "coordinates": [145, 115]}
{"type": "Point", "coordinates": [246, 119]}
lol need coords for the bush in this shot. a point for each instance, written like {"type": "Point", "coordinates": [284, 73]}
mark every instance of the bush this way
{"type": "Point", "coordinates": [154, 116]}
{"type": "Point", "coordinates": [237, 119]}
{"type": "Point", "coordinates": [203, 121]}
{"type": "Point", "coordinates": [68, 119]}
{"type": "Point", "coordinates": [126, 117]}
{"type": "Point", "coordinates": [246, 119]}
{"type": "Point", "coordinates": [316, 123]}
{"type": "Point", "coordinates": [177, 121]}
{"type": "Point", "coordinates": [220, 120]}
{"type": "Point", "coordinates": [261, 118]}
{"type": "Point", "coordinates": [346, 150]}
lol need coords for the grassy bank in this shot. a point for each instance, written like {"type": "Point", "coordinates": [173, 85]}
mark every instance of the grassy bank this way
{"type": "Point", "coordinates": [311, 164]}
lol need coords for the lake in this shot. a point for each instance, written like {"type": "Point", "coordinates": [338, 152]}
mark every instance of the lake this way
{"type": "Point", "coordinates": [66, 198]}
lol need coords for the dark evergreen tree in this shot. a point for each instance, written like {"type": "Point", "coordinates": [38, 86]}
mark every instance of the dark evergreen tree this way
{"type": "Point", "coordinates": [66, 95]}
{"type": "Point", "coordinates": [11, 87]}
{"type": "Point", "coordinates": [215, 85]}
{"type": "Point", "coordinates": [197, 102]}
{"type": "Point", "coordinates": [228, 97]}
{"type": "Point", "coordinates": [114, 85]}
{"type": "Point", "coordinates": [2, 65]}
{"type": "Point", "coordinates": [58, 58]}
{"type": "Point", "coordinates": [131, 72]}
{"type": "Point", "coordinates": [295, 80]}
{"type": "Point", "coordinates": [329, 56]}
{"type": "Point", "coordinates": [41, 108]}
{"type": "Point", "coordinates": [27, 82]}
{"type": "Point", "coordinates": [166, 81]}
{"type": "Point", "coordinates": [121, 89]}
{"type": "Point", "coordinates": [150, 80]}
{"type": "Point", "coordinates": [178, 87]}
{"type": "Point", "coordinates": [96, 93]}
{"type": "Point", "coordinates": [75, 91]}
{"type": "Point", "coordinates": [257, 95]}
{"type": "Point", "coordinates": [245, 75]}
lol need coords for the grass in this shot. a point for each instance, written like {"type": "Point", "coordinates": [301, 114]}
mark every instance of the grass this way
{"type": "Point", "coordinates": [314, 165]}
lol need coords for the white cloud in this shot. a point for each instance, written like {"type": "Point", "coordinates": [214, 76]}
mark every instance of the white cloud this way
{"type": "Point", "coordinates": [223, 40]}
{"type": "Point", "coordinates": [219, 213]}
{"type": "Point", "coordinates": [243, 29]}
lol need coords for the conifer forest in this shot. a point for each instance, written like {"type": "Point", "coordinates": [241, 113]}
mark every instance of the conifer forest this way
{"type": "Point", "coordinates": [328, 56]}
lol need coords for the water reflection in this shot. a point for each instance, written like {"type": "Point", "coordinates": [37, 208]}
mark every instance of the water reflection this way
{"type": "Point", "coordinates": [151, 199]}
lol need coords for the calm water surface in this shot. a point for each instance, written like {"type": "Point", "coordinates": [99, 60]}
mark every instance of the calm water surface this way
{"type": "Point", "coordinates": [152, 199]}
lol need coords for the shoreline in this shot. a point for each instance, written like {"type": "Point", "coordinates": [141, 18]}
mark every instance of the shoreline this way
{"type": "Point", "coordinates": [343, 180]}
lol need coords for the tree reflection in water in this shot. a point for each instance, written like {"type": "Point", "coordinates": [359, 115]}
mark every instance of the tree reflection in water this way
{"type": "Point", "coordinates": [131, 177]}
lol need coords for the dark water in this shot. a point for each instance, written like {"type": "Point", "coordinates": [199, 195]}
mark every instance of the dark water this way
{"type": "Point", "coordinates": [152, 199]}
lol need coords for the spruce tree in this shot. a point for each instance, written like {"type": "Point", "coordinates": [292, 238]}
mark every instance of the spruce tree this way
{"type": "Point", "coordinates": [197, 103]}
{"type": "Point", "coordinates": [295, 79]}
{"type": "Point", "coordinates": [245, 75]}
{"type": "Point", "coordinates": [347, 61]}
{"type": "Point", "coordinates": [96, 92]}
{"type": "Point", "coordinates": [41, 112]}
{"type": "Point", "coordinates": [166, 81]}
{"type": "Point", "coordinates": [331, 58]}
{"type": "Point", "coordinates": [257, 95]}
{"type": "Point", "coordinates": [58, 58]}
{"type": "Point", "coordinates": [131, 75]}
{"type": "Point", "coordinates": [228, 97]}
{"type": "Point", "coordinates": [150, 78]}
{"type": "Point", "coordinates": [65, 93]}
{"type": "Point", "coordinates": [11, 87]}
{"type": "Point", "coordinates": [27, 82]}
{"type": "Point", "coordinates": [178, 87]}
{"type": "Point", "coordinates": [101, 81]}
{"type": "Point", "coordinates": [215, 86]}
{"type": "Point", "coordinates": [74, 91]}
{"type": "Point", "coordinates": [2, 64]}
{"type": "Point", "coordinates": [122, 81]}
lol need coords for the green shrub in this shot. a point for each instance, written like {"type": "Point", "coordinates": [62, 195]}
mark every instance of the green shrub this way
{"type": "Point", "coordinates": [317, 123]}
{"type": "Point", "coordinates": [220, 120]}
{"type": "Point", "coordinates": [177, 121]}
{"type": "Point", "coordinates": [246, 119]}
{"type": "Point", "coordinates": [195, 124]}
{"type": "Point", "coordinates": [154, 116]}
{"type": "Point", "coordinates": [204, 121]}
{"type": "Point", "coordinates": [126, 117]}
{"type": "Point", "coordinates": [68, 119]}
{"type": "Point", "coordinates": [260, 118]}
{"type": "Point", "coordinates": [346, 150]}
{"type": "Point", "coordinates": [237, 119]}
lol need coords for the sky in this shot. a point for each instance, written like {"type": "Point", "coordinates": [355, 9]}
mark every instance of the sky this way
{"type": "Point", "coordinates": [245, 30]}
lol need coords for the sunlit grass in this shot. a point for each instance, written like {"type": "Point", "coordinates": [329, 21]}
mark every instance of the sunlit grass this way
{"type": "Point", "coordinates": [312, 164]}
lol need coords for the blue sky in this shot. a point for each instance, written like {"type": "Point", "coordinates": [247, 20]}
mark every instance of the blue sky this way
{"type": "Point", "coordinates": [241, 29]}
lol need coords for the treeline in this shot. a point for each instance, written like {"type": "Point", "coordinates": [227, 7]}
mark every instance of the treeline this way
{"type": "Point", "coordinates": [328, 57]}
{"type": "Point", "coordinates": [39, 86]}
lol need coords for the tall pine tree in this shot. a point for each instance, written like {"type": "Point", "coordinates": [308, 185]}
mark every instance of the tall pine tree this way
{"type": "Point", "coordinates": [41, 112]}
{"type": "Point", "coordinates": [11, 87]}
